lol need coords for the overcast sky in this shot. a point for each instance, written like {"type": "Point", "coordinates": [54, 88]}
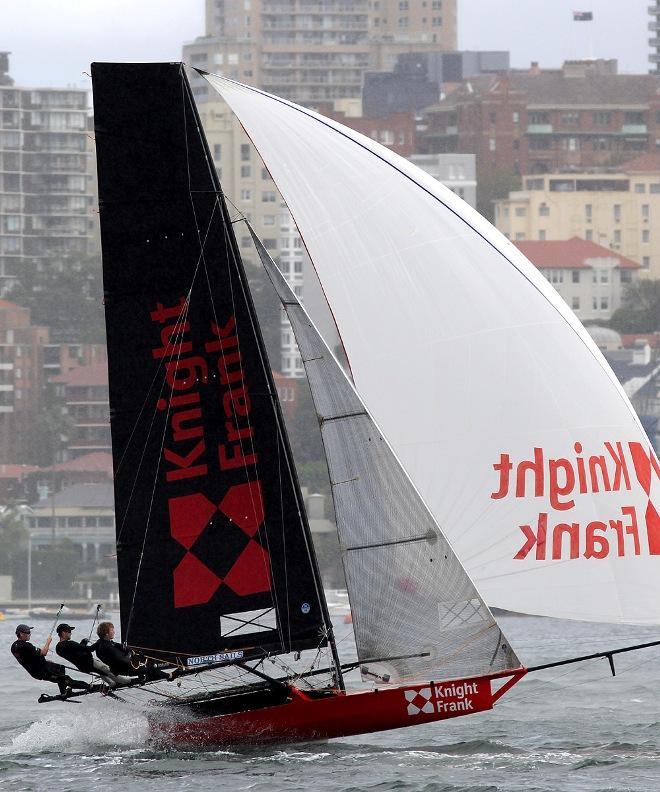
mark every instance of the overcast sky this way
{"type": "Point", "coordinates": [53, 41]}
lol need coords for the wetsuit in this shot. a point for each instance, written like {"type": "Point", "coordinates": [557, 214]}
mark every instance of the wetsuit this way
{"type": "Point", "coordinates": [38, 667]}
{"type": "Point", "coordinates": [119, 661]}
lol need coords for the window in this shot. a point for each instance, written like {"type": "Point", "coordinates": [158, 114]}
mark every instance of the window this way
{"type": "Point", "coordinates": [604, 276]}
{"type": "Point", "coordinates": [575, 277]}
{"type": "Point", "coordinates": [654, 188]}
{"type": "Point", "coordinates": [646, 262]}
{"type": "Point", "coordinates": [541, 235]}
{"type": "Point", "coordinates": [268, 196]}
{"type": "Point", "coordinates": [246, 195]}
{"type": "Point", "coordinates": [594, 303]}
{"type": "Point", "coordinates": [617, 237]}
{"type": "Point", "coordinates": [646, 236]}
{"type": "Point", "coordinates": [519, 236]}
{"type": "Point", "coordinates": [544, 210]}
{"type": "Point", "coordinates": [269, 219]}
{"type": "Point", "coordinates": [589, 235]}
{"type": "Point", "coordinates": [245, 152]}
{"type": "Point", "coordinates": [492, 117]}
{"type": "Point", "coordinates": [575, 303]}
{"type": "Point", "coordinates": [297, 267]}
{"type": "Point", "coordinates": [539, 118]}
{"type": "Point", "coordinates": [436, 22]}
{"type": "Point", "coordinates": [217, 151]}
{"type": "Point", "coordinates": [625, 276]}
{"type": "Point", "coordinates": [520, 211]}
{"type": "Point", "coordinates": [604, 303]}
{"type": "Point", "coordinates": [270, 244]}
{"type": "Point", "coordinates": [617, 212]}
{"type": "Point", "coordinates": [246, 171]}
{"type": "Point", "coordinates": [601, 119]}
{"type": "Point", "coordinates": [640, 187]}
{"type": "Point", "coordinates": [570, 119]}
{"type": "Point", "coordinates": [491, 144]}
{"type": "Point", "coordinates": [264, 174]}
{"type": "Point", "coordinates": [588, 211]}
{"type": "Point", "coordinates": [515, 117]}
{"type": "Point", "coordinates": [645, 211]}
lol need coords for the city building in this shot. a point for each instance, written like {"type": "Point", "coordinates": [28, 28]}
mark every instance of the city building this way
{"type": "Point", "coordinates": [654, 41]}
{"type": "Point", "coordinates": [82, 514]}
{"type": "Point", "coordinates": [46, 188]}
{"type": "Point", "coordinates": [418, 78]}
{"type": "Point", "coordinates": [590, 278]}
{"type": "Point", "coordinates": [583, 115]}
{"type": "Point", "coordinates": [617, 209]}
{"type": "Point", "coordinates": [84, 394]}
{"type": "Point", "coordinates": [315, 50]}
{"type": "Point", "coordinates": [456, 171]}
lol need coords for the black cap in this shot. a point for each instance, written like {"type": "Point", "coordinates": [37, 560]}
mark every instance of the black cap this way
{"type": "Point", "coordinates": [63, 628]}
{"type": "Point", "coordinates": [23, 628]}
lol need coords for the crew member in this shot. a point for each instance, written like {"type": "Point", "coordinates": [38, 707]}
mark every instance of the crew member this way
{"type": "Point", "coordinates": [80, 655]}
{"type": "Point", "coordinates": [121, 661]}
{"type": "Point", "coordinates": [34, 662]}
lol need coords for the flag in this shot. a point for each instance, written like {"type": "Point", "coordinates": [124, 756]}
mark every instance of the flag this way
{"type": "Point", "coordinates": [583, 16]}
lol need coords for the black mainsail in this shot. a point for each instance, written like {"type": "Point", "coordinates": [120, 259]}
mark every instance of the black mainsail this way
{"type": "Point", "coordinates": [214, 551]}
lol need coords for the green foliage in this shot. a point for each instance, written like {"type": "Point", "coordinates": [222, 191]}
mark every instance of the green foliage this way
{"type": "Point", "coordinates": [13, 538]}
{"type": "Point", "coordinates": [66, 296]}
{"type": "Point", "coordinates": [314, 476]}
{"type": "Point", "coordinates": [52, 429]}
{"type": "Point", "coordinates": [493, 185]}
{"type": "Point", "coordinates": [640, 309]}
{"type": "Point", "coordinates": [269, 311]}
{"type": "Point", "coordinates": [54, 569]}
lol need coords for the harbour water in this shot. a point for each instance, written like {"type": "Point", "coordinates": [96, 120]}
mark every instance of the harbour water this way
{"type": "Point", "coordinates": [573, 728]}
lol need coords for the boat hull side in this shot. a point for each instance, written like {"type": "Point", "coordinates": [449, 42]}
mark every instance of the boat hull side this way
{"type": "Point", "coordinates": [305, 717]}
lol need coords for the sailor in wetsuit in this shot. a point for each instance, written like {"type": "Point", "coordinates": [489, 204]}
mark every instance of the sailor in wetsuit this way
{"type": "Point", "coordinates": [120, 660]}
{"type": "Point", "coordinates": [34, 662]}
{"type": "Point", "coordinates": [80, 655]}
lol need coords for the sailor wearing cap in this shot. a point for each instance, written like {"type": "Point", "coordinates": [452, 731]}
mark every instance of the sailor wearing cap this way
{"type": "Point", "coordinates": [34, 662]}
{"type": "Point", "coordinates": [80, 655]}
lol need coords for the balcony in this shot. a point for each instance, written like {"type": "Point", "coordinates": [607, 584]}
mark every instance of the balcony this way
{"type": "Point", "coordinates": [539, 129]}
{"type": "Point", "coordinates": [634, 129]}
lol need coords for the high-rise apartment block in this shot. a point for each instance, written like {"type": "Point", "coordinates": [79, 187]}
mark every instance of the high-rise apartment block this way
{"type": "Point", "coordinates": [313, 51]}
{"type": "Point", "coordinates": [654, 41]}
{"type": "Point", "coordinates": [45, 184]}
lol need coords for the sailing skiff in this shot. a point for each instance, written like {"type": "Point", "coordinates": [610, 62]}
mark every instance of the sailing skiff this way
{"type": "Point", "coordinates": [217, 570]}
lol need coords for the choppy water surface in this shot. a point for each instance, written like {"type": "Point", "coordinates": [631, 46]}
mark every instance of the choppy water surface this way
{"type": "Point", "coordinates": [571, 728]}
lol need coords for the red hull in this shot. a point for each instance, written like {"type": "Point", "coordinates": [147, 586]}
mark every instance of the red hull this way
{"type": "Point", "coordinates": [306, 717]}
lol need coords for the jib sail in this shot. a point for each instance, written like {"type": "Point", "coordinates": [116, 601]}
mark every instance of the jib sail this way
{"type": "Point", "coordinates": [214, 553]}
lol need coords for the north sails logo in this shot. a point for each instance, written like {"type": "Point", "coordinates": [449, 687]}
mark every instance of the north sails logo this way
{"type": "Point", "coordinates": [563, 480]}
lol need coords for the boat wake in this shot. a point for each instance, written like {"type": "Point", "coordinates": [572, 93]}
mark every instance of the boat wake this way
{"type": "Point", "coordinates": [82, 727]}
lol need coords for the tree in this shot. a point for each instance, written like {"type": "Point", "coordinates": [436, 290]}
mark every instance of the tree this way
{"type": "Point", "coordinates": [13, 537]}
{"type": "Point", "coordinates": [640, 309]}
{"type": "Point", "coordinates": [492, 186]}
{"type": "Point", "coordinates": [65, 295]}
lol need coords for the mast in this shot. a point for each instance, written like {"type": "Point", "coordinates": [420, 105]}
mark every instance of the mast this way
{"type": "Point", "coordinates": [215, 557]}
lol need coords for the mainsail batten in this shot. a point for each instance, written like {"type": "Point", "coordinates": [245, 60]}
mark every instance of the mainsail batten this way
{"type": "Point", "coordinates": [411, 599]}
{"type": "Point", "coordinates": [497, 402]}
{"type": "Point", "coordinates": [214, 553]}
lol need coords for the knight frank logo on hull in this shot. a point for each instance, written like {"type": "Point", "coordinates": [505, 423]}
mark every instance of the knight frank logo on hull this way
{"type": "Point", "coordinates": [449, 699]}
{"type": "Point", "coordinates": [629, 527]}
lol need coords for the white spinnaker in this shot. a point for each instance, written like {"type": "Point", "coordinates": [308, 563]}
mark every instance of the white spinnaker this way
{"type": "Point", "coordinates": [469, 361]}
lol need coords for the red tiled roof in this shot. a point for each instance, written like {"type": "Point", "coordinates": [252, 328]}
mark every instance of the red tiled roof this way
{"type": "Point", "coordinates": [85, 375]}
{"type": "Point", "coordinates": [7, 304]}
{"type": "Point", "coordinates": [97, 461]}
{"type": "Point", "coordinates": [645, 163]}
{"type": "Point", "coordinates": [653, 339]}
{"type": "Point", "coordinates": [15, 471]}
{"type": "Point", "coordinates": [569, 253]}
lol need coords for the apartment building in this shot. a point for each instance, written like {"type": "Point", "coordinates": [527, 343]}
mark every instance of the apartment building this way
{"type": "Point", "coordinates": [45, 183]}
{"type": "Point", "coordinates": [619, 210]}
{"type": "Point", "coordinates": [583, 115]}
{"type": "Point", "coordinates": [590, 278]}
{"type": "Point", "coordinates": [84, 394]}
{"type": "Point", "coordinates": [316, 50]}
